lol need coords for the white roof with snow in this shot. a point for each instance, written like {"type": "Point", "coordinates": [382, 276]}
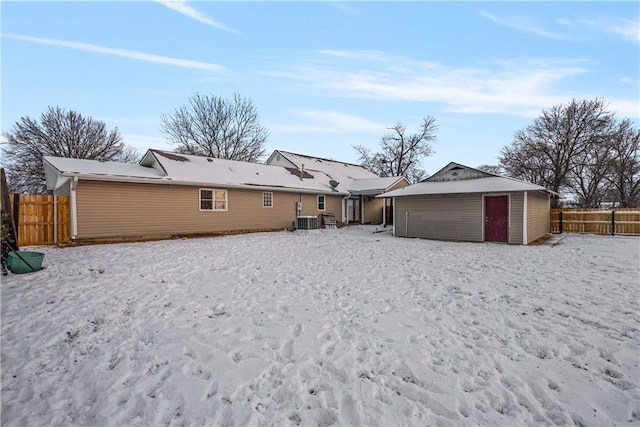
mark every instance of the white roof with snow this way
{"type": "Point", "coordinates": [373, 186]}
{"type": "Point", "coordinates": [187, 168]}
{"type": "Point", "coordinates": [58, 170]}
{"type": "Point", "coordinates": [355, 178]}
{"type": "Point", "coordinates": [183, 169]}
{"type": "Point", "coordinates": [335, 169]}
{"type": "Point", "coordinates": [492, 184]}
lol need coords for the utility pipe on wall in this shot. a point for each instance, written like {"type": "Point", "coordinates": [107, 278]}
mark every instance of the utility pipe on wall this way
{"type": "Point", "coordinates": [406, 224]}
{"type": "Point", "coordinates": [74, 210]}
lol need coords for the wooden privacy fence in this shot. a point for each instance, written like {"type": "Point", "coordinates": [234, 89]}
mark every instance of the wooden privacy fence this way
{"type": "Point", "coordinates": [596, 221]}
{"type": "Point", "coordinates": [36, 218]}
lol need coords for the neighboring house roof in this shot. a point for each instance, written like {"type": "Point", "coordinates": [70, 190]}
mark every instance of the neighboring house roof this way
{"type": "Point", "coordinates": [182, 169]}
{"type": "Point", "coordinates": [459, 179]}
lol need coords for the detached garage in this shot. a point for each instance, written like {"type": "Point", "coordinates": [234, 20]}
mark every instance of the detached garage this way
{"type": "Point", "coordinates": [465, 204]}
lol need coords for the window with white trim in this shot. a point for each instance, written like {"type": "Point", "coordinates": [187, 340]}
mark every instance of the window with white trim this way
{"type": "Point", "coordinates": [267, 199]}
{"type": "Point", "coordinates": [213, 200]}
{"type": "Point", "coordinates": [321, 202]}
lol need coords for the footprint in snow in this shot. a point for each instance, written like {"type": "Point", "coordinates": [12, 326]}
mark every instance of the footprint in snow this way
{"type": "Point", "coordinates": [188, 352]}
{"type": "Point", "coordinates": [287, 350]}
{"type": "Point", "coordinates": [296, 330]}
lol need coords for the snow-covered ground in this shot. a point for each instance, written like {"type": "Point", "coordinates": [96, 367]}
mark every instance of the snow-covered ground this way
{"type": "Point", "coordinates": [328, 327]}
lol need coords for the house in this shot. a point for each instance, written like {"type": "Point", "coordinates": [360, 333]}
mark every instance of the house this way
{"type": "Point", "coordinates": [361, 206]}
{"type": "Point", "coordinates": [168, 194]}
{"type": "Point", "coordinates": [466, 204]}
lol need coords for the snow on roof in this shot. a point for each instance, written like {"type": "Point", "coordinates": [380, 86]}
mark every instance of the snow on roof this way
{"type": "Point", "coordinates": [492, 184]}
{"type": "Point", "coordinates": [212, 171]}
{"type": "Point", "coordinates": [372, 185]}
{"type": "Point", "coordinates": [339, 171]}
{"type": "Point", "coordinates": [174, 168]}
{"type": "Point", "coordinates": [96, 167]}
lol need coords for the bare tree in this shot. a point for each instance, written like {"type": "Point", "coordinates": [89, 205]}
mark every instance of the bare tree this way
{"type": "Point", "coordinates": [586, 179]}
{"type": "Point", "coordinates": [546, 150]}
{"type": "Point", "coordinates": [624, 165]}
{"type": "Point", "coordinates": [400, 153]}
{"type": "Point", "coordinates": [216, 127]}
{"type": "Point", "coordinates": [58, 133]}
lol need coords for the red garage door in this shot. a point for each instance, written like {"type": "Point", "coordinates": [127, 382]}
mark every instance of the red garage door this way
{"type": "Point", "coordinates": [496, 219]}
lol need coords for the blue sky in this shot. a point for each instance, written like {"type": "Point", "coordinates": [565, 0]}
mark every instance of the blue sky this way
{"type": "Point", "coordinates": [323, 75]}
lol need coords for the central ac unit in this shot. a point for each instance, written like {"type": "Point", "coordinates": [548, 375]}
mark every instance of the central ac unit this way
{"type": "Point", "coordinates": [307, 223]}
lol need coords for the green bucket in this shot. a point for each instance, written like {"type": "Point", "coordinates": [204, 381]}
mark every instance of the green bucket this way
{"type": "Point", "coordinates": [30, 261]}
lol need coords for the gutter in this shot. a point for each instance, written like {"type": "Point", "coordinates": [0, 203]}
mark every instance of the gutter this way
{"type": "Point", "coordinates": [169, 181]}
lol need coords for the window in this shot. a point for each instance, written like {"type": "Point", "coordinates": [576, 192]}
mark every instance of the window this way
{"type": "Point", "coordinates": [213, 200]}
{"type": "Point", "coordinates": [267, 199]}
{"type": "Point", "coordinates": [321, 202]}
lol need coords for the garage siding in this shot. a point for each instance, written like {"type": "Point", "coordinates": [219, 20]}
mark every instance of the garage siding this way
{"type": "Point", "coordinates": [516, 218]}
{"type": "Point", "coordinates": [538, 212]}
{"type": "Point", "coordinates": [440, 217]}
{"type": "Point", "coordinates": [112, 210]}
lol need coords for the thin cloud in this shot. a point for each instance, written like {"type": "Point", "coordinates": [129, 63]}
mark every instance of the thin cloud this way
{"type": "Point", "coordinates": [147, 57]}
{"type": "Point", "coordinates": [525, 25]}
{"type": "Point", "coordinates": [182, 7]}
{"type": "Point", "coordinates": [328, 122]}
{"type": "Point", "coordinates": [521, 87]}
{"type": "Point", "coordinates": [628, 29]}
{"type": "Point", "coordinates": [343, 6]}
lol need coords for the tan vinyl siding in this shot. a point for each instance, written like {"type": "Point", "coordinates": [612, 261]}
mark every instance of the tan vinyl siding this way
{"type": "Point", "coordinates": [107, 210]}
{"type": "Point", "coordinates": [372, 210]}
{"type": "Point", "coordinates": [310, 205]}
{"type": "Point", "coordinates": [538, 212]}
{"type": "Point", "coordinates": [516, 206]}
{"type": "Point", "coordinates": [372, 207]}
{"type": "Point", "coordinates": [441, 217]}
{"type": "Point", "coordinates": [400, 184]}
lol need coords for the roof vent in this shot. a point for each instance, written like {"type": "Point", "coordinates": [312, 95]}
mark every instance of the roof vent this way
{"type": "Point", "coordinates": [333, 183]}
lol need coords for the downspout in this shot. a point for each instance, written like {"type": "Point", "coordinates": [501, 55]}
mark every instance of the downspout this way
{"type": "Point", "coordinates": [74, 210]}
{"type": "Point", "coordinates": [524, 219]}
{"type": "Point", "coordinates": [406, 224]}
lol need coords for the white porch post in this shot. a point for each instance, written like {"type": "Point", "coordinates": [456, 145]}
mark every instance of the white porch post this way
{"type": "Point", "coordinates": [524, 219]}
{"type": "Point", "coordinates": [74, 211]}
{"type": "Point", "coordinates": [384, 211]}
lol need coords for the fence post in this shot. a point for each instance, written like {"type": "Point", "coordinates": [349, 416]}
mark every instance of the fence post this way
{"type": "Point", "coordinates": [613, 223]}
{"type": "Point", "coordinates": [561, 227]}
{"type": "Point", "coordinates": [16, 215]}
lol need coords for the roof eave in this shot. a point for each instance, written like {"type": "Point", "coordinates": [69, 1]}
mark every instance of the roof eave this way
{"type": "Point", "coordinates": [169, 181]}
